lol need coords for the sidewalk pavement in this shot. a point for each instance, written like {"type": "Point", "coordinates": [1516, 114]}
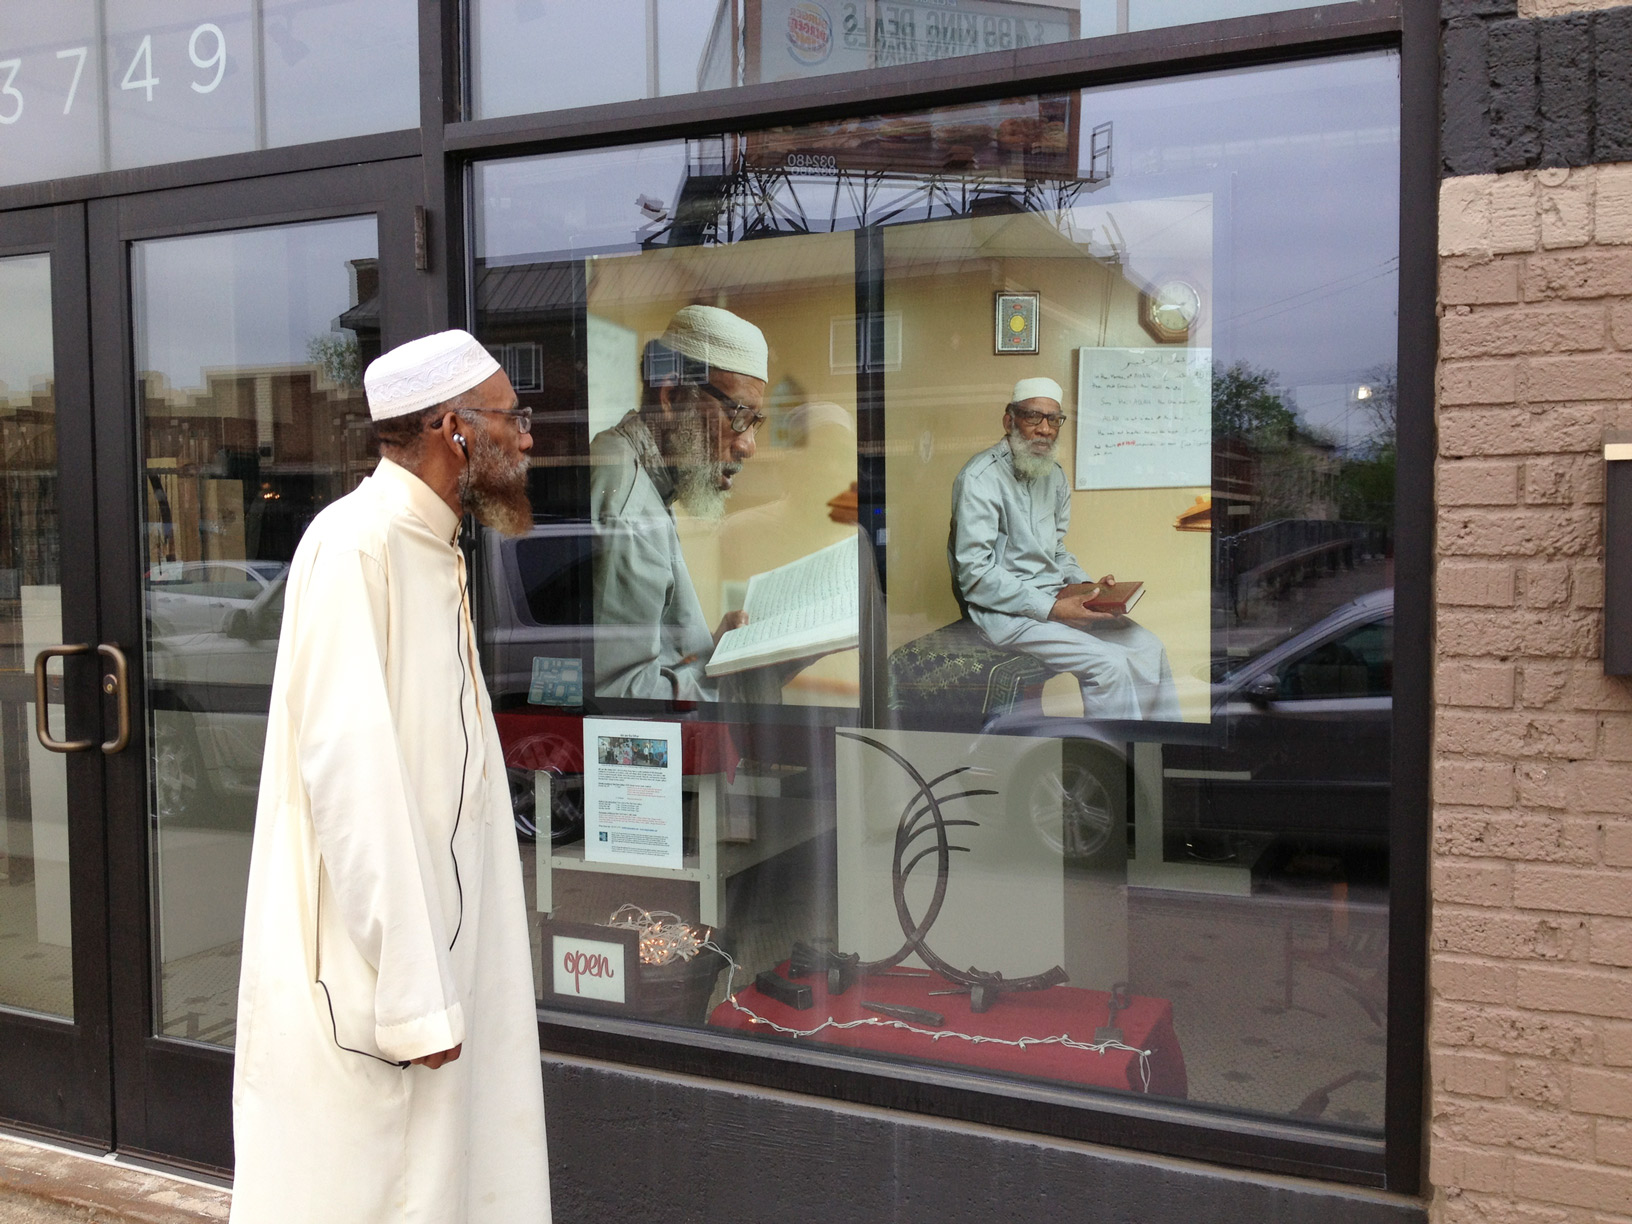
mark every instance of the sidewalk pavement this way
{"type": "Point", "coordinates": [43, 1184]}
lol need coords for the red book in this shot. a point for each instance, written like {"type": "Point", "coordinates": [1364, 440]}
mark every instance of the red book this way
{"type": "Point", "coordinates": [1116, 598]}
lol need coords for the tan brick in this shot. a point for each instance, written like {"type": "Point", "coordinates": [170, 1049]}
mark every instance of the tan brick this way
{"type": "Point", "coordinates": [1498, 332]}
{"type": "Point", "coordinates": [1547, 1132]}
{"type": "Point", "coordinates": [1476, 584]}
{"type": "Point", "coordinates": [1590, 689]}
{"type": "Point", "coordinates": [1582, 992]}
{"type": "Point", "coordinates": [1464, 215]}
{"type": "Point", "coordinates": [1504, 1030]}
{"type": "Point", "coordinates": [1515, 221]}
{"type": "Point", "coordinates": [1519, 533]}
{"type": "Point", "coordinates": [1577, 275]}
{"type": "Point", "coordinates": [1472, 981]}
{"type": "Point", "coordinates": [1566, 210]}
{"type": "Point", "coordinates": [1559, 8]}
{"type": "Point", "coordinates": [1525, 837]}
{"type": "Point", "coordinates": [1543, 784]}
{"type": "Point", "coordinates": [1602, 786]}
{"type": "Point", "coordinates": [1544, 1083]}
{"type": "Point", "coordinates": [1472, 883]}
{"type": "Point", "coordinates": [1612, 199]}
{"type": "Point", "coordinates": [1610, 942]}
{"type": "Point", "coordinates": [1615, 739]}
{"type": "Point", "coordinates": [1520, 733]}
{"type": "Point", "coordinates": [1613, 1142]}
{"type": "Point", "coordinates": [1479, 282]}
{"type": "Point", "coordinates": [1504, 632]}
{"type": "Point", "coordinates": [1544, 586]}
{"type": "Point", "coordinates": [1582, 376]}
{"type": "Point", "coordinates": [1478, 382]}
{"type": "Point", "coordinates": [1578, 1185]}
{"type": "Point", "coordinates": [1468, 1168]}
{"type": "Point", "coordinates": [1477, 483]}
{"type": "Point", "coordinates": [1616, 1044]}
{"type": "Point", "coordinates": [1550, 481]}
{"type": "Point", "coordinates": [1601, 1092]}
{"type": "Point", "coordinates": [1588, 584]}
{"type": "Point", "coordinates": [1471, 1074]}
{"type": "Point", "coordinates": [1618, 844]}
{"type": "Point", "coordinates": [1547, 887]}
{"type": "Point", "coordinates": [1557, 429]}
{"type": "Point", "coordinates": [1481, 932]}
{"type": "Point", "coordinates": [1620, 323]}
{"type": "Point", "coordinates": [1479, 783]}
{"type": "Point", "coordinates": [1472, 1207]}
{"type": "Point", "coordinates": [1542, 684]}
{"type": "Point", "coordinates": [1475, 684]}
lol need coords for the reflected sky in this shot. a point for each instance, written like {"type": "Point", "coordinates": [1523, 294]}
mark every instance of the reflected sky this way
{"type": "Point", "coordinates": [241, 300]}
{"type": "Point", "coordinates": [1300, 161]}
{"type": "Point", "coordinates": [25, 327]}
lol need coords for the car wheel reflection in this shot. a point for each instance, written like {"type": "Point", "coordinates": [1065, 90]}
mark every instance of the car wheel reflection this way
{"type": "Point", "coordinates": [178, 770]}
{"type": "Point", "coordinates": [566, 806]}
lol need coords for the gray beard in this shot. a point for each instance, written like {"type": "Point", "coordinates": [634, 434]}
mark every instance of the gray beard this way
{"type": "Point", "coordinates": [1029, 466]}
{"type": "Point", "coordinates": [697, 474]}
{"type": "Point", "coordinates": [493, 487]}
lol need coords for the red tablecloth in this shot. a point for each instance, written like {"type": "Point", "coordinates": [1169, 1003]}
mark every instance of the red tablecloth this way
{"type": "Point", "coordinates": [1147, 1024]}
{"type": "Point", "coordinates": [556, 741]}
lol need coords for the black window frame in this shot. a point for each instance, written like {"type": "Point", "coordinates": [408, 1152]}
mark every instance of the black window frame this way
{"type": "Point", "coordinates": [447, 145]}
{"type": "Point", "coordinates": [1410, 27]}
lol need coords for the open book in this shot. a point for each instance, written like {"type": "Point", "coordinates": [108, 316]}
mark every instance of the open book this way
{"type": "Point", "coordinates": [796, 611]}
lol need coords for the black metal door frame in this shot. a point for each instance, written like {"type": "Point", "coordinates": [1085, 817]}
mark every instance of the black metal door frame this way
{"type": "Point", "coordinates": [171, 1098]}
{"type": "Point", "coordinates": [55, 1073]}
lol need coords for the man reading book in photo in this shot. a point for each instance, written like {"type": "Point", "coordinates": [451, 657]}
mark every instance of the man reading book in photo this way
{"type": "Point", "coordinates": [1016, 580]}
{"type": "Point", "coordinates": [703, 401]}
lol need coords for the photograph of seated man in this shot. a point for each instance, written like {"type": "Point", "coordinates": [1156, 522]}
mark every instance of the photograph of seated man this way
{"type": "Point", "coordinates": [1011, 505]}
{"type": "Point", "coordinates": [703, 400]}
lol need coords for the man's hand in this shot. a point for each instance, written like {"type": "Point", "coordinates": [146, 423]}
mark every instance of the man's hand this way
{"type": "Point", "coordinates": [433, 1061]}
{"type": "Point", "coordinates": [1072, 610]}
{"type": "Point", "coordinates": [730, 621]}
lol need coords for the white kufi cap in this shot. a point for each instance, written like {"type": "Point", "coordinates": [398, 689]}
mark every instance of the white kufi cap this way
{"type": "Point", "coordinates": [426, 372]}
{"type": "Point", "coordinates": [1037, 388]}
{"type": "Point", "coordinates": [720, 340]}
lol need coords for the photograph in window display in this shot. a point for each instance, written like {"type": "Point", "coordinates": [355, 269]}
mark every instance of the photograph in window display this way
{"type": "Point", "coordinates": [1020, 585]}
{"type": "Point", "coordinates": [704, 387]}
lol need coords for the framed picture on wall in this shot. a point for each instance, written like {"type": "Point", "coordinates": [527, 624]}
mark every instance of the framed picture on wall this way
{"type": "Point", "coordinates": [1016, 322]}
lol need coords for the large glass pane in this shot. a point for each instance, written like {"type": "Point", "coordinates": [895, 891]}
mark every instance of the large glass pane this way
{"type": "Point", "coordinates": [35, 953]}
{"type": "Point", "coordinates": [250, 348]}
{"type": "Point", "coordinates": [1143, 332]}
{"type": "Point", "coordinates": [527, 55]}
{"type": "Point", "coordinates": [89, 85]}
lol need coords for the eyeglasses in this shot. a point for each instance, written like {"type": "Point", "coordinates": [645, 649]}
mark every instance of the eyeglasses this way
{"type": "Point", "coordinates": [523, 416]}
{"type": "Point", "coordinates": [744, 419]}
{"type": "Point", "coordinates": [1029, 416]}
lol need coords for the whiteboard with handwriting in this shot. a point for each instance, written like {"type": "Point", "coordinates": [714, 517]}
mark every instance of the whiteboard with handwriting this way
{"type": "Point", "coordinates": [1144, 418]}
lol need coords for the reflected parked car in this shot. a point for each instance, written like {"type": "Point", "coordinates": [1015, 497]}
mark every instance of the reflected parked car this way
{"type": "Point", "coordinates": [1298, 746]}
{"type": "Point", "coordinates": [198, 596]}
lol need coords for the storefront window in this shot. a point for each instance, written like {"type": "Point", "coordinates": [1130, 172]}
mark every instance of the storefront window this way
{"type": "Point", "coordinates": [1143, 333]}
{"type": "Point", "coordinates": [89, 85]}
{"type": "Point", "coordinates": [531, 56]}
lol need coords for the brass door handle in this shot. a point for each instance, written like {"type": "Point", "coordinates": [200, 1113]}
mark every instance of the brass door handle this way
{"type": "Point", "coordinates": [116, 684]}
{"type": "Point", "coordinates": [42, 723]}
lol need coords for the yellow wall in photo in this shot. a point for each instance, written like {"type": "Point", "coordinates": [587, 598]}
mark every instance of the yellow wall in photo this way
{"type": "Point", "coordinates": [946, 401]}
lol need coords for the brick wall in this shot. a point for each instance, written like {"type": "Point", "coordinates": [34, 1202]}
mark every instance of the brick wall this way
{"type": "Point", "coordinates": [1530, 1027]}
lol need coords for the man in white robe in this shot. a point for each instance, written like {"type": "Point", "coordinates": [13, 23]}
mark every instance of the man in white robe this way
{"type": "Point", "coordinates": [388, 1065]}
{"type": "Point", "coordinates": [705, 384]}
{"type": "Point", "coordinates": [1011, 507]}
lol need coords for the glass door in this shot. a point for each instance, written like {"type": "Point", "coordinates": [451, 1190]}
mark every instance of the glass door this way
{"type": "Point", "coordinates": [253, 310]}
{"type": "Point", "coordinates": [54, 1066]}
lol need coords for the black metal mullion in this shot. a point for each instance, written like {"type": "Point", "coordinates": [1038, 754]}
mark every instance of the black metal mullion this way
{"type": "Point", "coordinates": [1410, 819]}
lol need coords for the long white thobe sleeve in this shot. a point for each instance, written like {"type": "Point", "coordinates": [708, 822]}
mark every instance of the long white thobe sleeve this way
{"type": "Point", "coordinates": [385, 918]}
